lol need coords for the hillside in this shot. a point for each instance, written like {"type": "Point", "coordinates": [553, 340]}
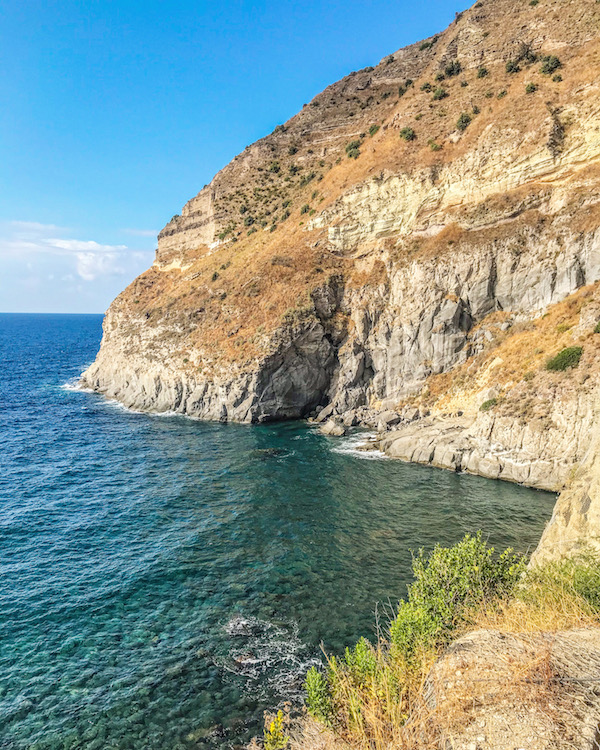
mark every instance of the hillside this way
{"type": "Point", "coordinates": [415, 243]}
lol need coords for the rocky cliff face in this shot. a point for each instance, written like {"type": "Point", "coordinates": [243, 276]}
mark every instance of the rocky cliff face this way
{"type": "Point", "coordinates": [415, 243]}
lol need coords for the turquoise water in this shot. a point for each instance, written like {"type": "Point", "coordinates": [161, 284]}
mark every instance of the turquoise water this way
{"type": "Point", "coordinates": [164, 581]}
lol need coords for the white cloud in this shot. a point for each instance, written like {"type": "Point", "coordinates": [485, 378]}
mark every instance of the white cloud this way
{"type": "Point", "coordinates": [92, 265]}
{"type": "Point", "coordinates": [46, 267]}
{"type": "Point", "coordinates": [88, 246]}
{"type": "Point", "coordinates": [26, 239]}
{"type": "Point", "coordinates": [35, 229]}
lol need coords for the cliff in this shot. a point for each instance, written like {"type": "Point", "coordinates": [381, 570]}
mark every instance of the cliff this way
{"type": "Point", "coordinates": [413, 245]}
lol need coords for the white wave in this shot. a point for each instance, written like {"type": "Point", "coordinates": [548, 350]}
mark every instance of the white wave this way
{"type": "Point", "coordinates": [74, 384]}
{"type": "Point", "coordinates": [269, 657]}
{"type": "Point", "coordinates": [358, 445]}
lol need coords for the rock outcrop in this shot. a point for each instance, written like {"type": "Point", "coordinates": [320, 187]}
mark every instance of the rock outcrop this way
{"type": "Point", "coordinates": [418, 240]}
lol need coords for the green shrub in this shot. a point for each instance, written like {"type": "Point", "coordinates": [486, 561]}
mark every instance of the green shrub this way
{"type": "Point", "coordinates": [248, 221]}
{"type": "Point", "coordinates": [550, 63]}
{"type": "Point", "coordinates": [408, 83]}
{"type": "Point", "coordinates": [274, 167]}
{"type": "Point", "coordinates": [453, 68]}
{"type": "Point", "coordinates": [512, 67]}
{"type": "Point", "coordinates": [361, 662]}
{"type": "Point", "coordinates": [489, 404]}
{"type": "Point", "coordinates": [533, 3]}
{"type": "Point", "coordinates": [275, 737]}
{"type": "Point", "coordinates": [434, 146]}
{"type": "Point", "coordinates": [450, 585]}
{"type": "Point", "coordinates": [476, 110]}
{"type": "Point", "coordinates": [597, 327]}
{"type": "Point", "coordinates": [305, 209]}
{"type": "Point", "coordinates": [482, 72]}
{"type": "Point", "coordinates": [463, 121]}
{"type": "Point", "coordinates": [426, 87]}
{"type": "Point", "coordinates": [557, 78]}
{"type": "Point", "coordinates": [401, 91]}
{"type": "Point", "coordinates": [408, 134]}
{"type": "Point", "coordinates": [531, 88]}
{"type": "Point", "coordinates": [280, 129]}
{"type": "Point", "coordinates": [565, 359]}
{"type": "Point", "coordinates": [353, 149]}
{"type": "Point", "coordinates": [502, 94]}
{"type": "Point", "coordinates": [318, 696]}
{"type": "Point", "coordinates": [307, 178]}
{"type": "Point", "coordinates": [373, 129]}
{"type": "Point", "coordinates": [428, 45]}
{"type": "Point", "coordinates": [440, 77]}
{"type": "Point", "coordinates": [215, 276]}
{"type": "Point", "coordinates": [292, 150]}
{"type": "Point", "coordinates": [440, 93]}
{"type": "Point", "coordinates": [464, 84]}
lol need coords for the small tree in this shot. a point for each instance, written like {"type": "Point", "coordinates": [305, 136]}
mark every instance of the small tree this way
{"type": "Point", "coordinates": [453, 68]}
{"type": "Point", "coordinates": [550, 63]}
{"type": "Point", "coordinates": [463, 121]}
{"type": "Point", "coordinates": [565, 359]}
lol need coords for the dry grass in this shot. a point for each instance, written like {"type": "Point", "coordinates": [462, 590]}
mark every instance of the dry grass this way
{"type": "Point", "coordinates": [220, 318]}
{"type": "Point", "coordinates": [514, 361]}
{"type": "Point", "coordinates": [522, 673]}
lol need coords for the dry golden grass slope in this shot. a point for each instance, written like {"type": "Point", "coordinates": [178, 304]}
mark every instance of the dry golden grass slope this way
{"type": "Point", "coordinates": [195, 269]}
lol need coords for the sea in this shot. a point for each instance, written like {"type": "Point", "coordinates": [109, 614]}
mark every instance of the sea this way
{"type": "Point", "coordinates": [165, 581]}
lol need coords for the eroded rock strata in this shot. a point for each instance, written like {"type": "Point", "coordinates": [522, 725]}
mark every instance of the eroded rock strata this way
{"type": "Point", "coordinates": [414, 245]}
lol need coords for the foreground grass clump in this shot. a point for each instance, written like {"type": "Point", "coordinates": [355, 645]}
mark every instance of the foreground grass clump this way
{"type": "Point", "coordinates": [565, 359]}
{"type": "Point", "coordinates": [375, 695]}
{"type": "Point", "coordinates": [375, 684]}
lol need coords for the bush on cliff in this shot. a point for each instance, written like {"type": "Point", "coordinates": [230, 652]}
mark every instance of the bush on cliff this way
{"type": "Point", "coordinates": [565, 359]}
{"type": "Point", "coordinates": [378, 695]}
{"type": "Point", "coordinates": [463, 121]}
{"type": "Point", "coordinates": [451, 585]}
{"type": "Point", "coordinates": [550, 63]}
{"type": "Point", "coordinates": [489, 404]}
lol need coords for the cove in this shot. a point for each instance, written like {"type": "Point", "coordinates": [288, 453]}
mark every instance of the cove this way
{"type": "Point", "coordinates": [164, 581]}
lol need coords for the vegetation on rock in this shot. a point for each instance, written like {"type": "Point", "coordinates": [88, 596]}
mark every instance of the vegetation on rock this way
{"type": "Point", "coordinates": [373, 694]}
{"type": "Point", "coordinates": [565, 359]}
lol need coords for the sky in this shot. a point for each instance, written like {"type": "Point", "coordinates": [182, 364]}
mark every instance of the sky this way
{"type": "Point", "coordinates": [114, 113]}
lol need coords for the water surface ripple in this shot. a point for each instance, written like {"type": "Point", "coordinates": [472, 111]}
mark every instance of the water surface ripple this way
{"type": "Point", "coordinates": [163, 581]}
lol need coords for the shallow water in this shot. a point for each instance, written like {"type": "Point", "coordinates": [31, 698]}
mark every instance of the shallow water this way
{"type": "Point", "coordinates": [163, 581]}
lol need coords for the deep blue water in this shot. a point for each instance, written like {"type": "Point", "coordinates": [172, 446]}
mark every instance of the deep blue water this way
{"type": "Point", "coordinates": [163, 581]}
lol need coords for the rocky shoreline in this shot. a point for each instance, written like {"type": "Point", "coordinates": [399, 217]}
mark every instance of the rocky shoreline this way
{"type": "Point", "coordinates": [454, 443]}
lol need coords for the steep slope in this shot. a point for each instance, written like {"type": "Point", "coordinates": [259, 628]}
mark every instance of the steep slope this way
{"type": "Point", "coordinates": [387, 237]}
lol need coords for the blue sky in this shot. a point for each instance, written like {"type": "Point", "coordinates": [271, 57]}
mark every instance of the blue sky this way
{"type": "Point", "coordinates": [115, 113]}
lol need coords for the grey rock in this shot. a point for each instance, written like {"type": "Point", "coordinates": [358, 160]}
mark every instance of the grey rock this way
{"type": "Point", "coordinates": [333, 429]}
{"type": "Point", "coordinates": [325, 413]}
